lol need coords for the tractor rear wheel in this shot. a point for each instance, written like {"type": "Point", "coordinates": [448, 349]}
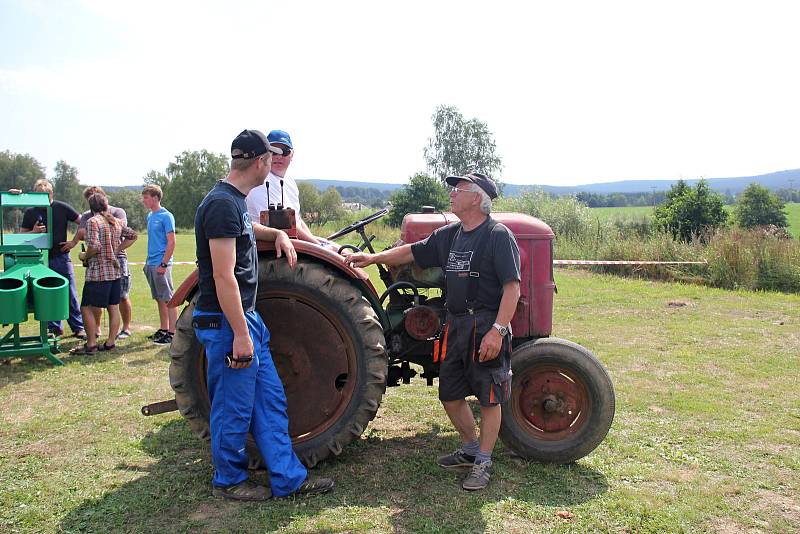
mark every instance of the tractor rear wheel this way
{"type": "Point", "coordinates": [327, 345]}
{"type": "Point", "coordinates": [562, 402]}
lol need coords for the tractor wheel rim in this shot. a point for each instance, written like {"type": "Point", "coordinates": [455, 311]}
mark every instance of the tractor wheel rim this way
{"type": "Point", "coordinates": [550, 402]}
{"type": "Point", "coordinates": [310, 412]}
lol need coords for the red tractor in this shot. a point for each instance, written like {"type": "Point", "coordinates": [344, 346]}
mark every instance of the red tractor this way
{"type": "Point", "coordinates": [337, 345]}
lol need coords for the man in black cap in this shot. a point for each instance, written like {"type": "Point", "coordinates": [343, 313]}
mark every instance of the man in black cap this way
{"type": "Point", "coordinates": [481, 261]}
{"type": "Point", "coordinates": [245, 390]}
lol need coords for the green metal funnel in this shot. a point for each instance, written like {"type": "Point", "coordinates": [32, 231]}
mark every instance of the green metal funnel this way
{"type": "Point", "coordinates": [13, 301]}
{"type": "Point", "coordinates": [50, 297]}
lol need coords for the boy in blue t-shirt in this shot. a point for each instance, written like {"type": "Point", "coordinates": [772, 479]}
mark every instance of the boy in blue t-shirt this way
{"type": "Point", "coordinates": [158, 267]}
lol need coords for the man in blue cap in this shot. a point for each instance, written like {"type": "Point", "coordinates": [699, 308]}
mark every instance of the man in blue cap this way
{"type": "Point", "coordinates": [288, 194]}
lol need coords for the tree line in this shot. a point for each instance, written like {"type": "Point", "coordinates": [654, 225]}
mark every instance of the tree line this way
{"type": "Point", "coordinates": [20, 171]}
{"type": "Point", "coordinates": [458, 145]}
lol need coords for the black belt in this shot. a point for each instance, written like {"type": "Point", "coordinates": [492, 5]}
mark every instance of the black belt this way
{"type": "Point", "coordinates": [474, 311]}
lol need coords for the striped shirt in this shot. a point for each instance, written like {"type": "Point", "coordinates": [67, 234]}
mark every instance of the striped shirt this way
{"type": "Point", "coordinates": [102, 237]}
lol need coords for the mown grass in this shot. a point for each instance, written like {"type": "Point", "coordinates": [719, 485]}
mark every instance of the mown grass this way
{"type": "Point", "coordinates": [706, 436]}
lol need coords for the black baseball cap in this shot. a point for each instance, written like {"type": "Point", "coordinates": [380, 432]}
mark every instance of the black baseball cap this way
{"type": "Point", "coordinates": [481, 180]}
{"type": "Point", "coordinates": [250, 144]}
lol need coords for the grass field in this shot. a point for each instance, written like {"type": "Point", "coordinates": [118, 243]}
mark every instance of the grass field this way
{"type": "Point", "coordinates": [706, 436]}
{"type": "Point", "coordinates": [792, 214]}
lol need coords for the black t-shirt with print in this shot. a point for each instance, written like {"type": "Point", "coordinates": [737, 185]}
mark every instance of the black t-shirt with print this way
{"type": "Point", "coordinates": [500, 262]}
{"type": "Point", "coordinates": [62, 214]}
{"type": "Point", "coordinates": [223, 214]}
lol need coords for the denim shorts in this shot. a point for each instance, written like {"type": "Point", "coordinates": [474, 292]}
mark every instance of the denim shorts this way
{"type": "Point", "coordinates": [125, 281]}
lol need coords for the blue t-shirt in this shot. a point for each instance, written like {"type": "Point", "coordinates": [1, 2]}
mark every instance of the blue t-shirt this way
{"type": "Point", "coordinates": [223, 214]}
{"type": "Point", "coordinates": [159, 224]}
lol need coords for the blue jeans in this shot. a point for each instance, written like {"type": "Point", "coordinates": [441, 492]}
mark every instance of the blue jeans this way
{"type": "Point", "coordinates": [247, 400]}
{"type": "Point", "coordinates": [62, 264]}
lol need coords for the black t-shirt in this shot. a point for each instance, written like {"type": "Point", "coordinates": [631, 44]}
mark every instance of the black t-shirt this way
{"type": "Point", "coordinates": [62, 213]}
{"type": "Point", "coordinates": [500, 262]}
{"type": "Point", "coordinates": [223, 213]}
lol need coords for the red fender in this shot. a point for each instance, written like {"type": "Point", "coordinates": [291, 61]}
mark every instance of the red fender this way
{"type": "Point", "coordinates": [303, 248]}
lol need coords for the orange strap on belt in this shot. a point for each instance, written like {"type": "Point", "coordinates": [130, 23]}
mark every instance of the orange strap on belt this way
{"type": "Point", "coordinates": [440, 346]}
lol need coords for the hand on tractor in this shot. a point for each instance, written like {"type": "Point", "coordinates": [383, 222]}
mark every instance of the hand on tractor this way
{"type": "Point", "coordinates": [359, 259]}
{"type": "Point", "coordinates": [491, 344]}
{"type": "Point", "coordinates": [283, 245]}
{"type": "Point", "coordinates": [242, 349]}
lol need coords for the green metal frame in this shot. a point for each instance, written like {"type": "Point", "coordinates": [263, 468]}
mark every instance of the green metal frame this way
{"type": "Point", "coordinates": [25, 257]}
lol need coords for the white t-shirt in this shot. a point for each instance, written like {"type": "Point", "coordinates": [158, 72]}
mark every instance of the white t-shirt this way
{"type": "Point", "coordinates": [257, 197]}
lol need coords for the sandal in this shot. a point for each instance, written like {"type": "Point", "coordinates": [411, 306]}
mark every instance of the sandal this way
{"type": "Point", "coordinates": [105, 347]}
{"type": "Point", "coordinates": [80, 334]}
{"type": "Point", "coordinates": [84, 349]}
{"type": "Point", "coordinates": [124, 334]}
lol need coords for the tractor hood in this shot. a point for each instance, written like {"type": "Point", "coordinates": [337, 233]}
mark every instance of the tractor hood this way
{"type": "Point", "coordinates": [417, 226]}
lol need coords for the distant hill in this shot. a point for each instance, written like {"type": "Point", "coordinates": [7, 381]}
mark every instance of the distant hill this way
{"type": "Point", "coordinates": [322, 185]}
{"type": "Point", "coordinates": [377, 193]}
{"type": "Point", "coordinates": [772, 181]}
{"type": "Point", "coordinates": [775, 180]}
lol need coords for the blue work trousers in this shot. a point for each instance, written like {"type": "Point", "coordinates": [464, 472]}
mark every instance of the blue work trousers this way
{"type": "Point", "coordinates": [245, 400]}
{"type": "Point", "coordinates": [63, 266]}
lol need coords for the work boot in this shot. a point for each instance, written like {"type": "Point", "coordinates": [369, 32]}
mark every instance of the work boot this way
{"type": "Point", "coordinates": [244, 491]}
{"type": "Point", "coordinates": [313, 485]}
{"type": "Point", "coordinates": [478, 477]}
{"type": "Point", "coordinates": [456, 460]}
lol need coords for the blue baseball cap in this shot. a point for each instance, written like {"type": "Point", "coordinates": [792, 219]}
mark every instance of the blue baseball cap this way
{"type": "Point", "coordinates": [279, 136]}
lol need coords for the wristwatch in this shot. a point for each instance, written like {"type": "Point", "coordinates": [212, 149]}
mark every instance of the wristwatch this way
{"type": "Point", "coordinates": [502, 329]}
{"type": "Point", "coordinates": [164, 265]}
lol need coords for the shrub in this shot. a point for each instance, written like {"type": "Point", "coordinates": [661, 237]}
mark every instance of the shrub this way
{"type": "Point", "coordinates": [737, 258]}
{"type": "Point", "coordinates": [756, 206]}
{"type": "Point", "coordinates": [566, 216]}
{"type": "Point", "coordinates": [690, 212]}
{"type": "Point", "coordinates": [422, 190]}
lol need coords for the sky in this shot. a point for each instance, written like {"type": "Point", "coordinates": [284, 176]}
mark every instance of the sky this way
{"type": "Point", "coordinates": [574, 92]}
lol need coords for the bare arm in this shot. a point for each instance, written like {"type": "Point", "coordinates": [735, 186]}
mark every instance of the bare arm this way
{"type": "Point", "coordinates": [167, 252]}
{"type": "Point", "coordinates": [170, 248]}
{"type": "Point", "coordinates": [223, 261]}
{"type": "Point", "coordinates": [69, 244]}
{"type": "Point", "coordinates": [394, 256]}
{"type": "Point", "coordinates": [492, 341]}
{"type": "Point", "coordinates": [129, 239]}
{"type": "Point", "coordinates": [304, 233]}
{"type": "Point", "coordinates": [80, 235]}
{"type": "Point", "coordinates": [283, 245]}
{"type": "Point", "coordinates": [38, 228]}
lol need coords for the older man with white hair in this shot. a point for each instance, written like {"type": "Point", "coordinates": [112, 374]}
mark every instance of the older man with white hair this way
{"type": "Point", "coordinates": [481, 261]}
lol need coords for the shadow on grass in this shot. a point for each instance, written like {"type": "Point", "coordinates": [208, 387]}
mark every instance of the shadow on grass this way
{"type": "Point", "coordinates": [15, 370]}
{"type": "Point", "coordinates": [378, 481]}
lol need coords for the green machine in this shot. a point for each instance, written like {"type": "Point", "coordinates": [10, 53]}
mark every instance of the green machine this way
{"type": "Point", "coordinates": [27, 284]}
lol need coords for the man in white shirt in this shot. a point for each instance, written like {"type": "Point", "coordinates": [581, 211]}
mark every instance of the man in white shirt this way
{"type": "Point", "coordinates": [257, 198]}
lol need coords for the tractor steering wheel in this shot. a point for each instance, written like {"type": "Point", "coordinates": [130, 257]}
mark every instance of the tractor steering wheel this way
{"type": "Point", "coordinates": [361, 223]}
